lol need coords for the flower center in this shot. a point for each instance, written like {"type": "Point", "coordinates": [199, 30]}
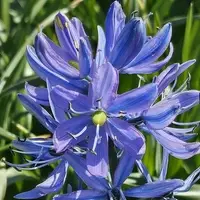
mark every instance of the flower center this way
{"type": "Point", "coordinates": [99, 118]}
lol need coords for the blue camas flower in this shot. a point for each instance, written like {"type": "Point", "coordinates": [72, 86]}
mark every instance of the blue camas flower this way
{"type": "Point", "coordinates": [157, 119]}
{"type": "Point", "coordinates": [99, 115]}
{"type": "Point", "coordinates": [60, 63]}
{"type": "Point", "coordinates": [130, 40]}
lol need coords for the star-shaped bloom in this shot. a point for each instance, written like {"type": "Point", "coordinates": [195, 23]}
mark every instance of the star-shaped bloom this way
{"type": "Point", "coordinates": [139, 51]}
{"type": "Point", "coordinates": [99, 115]}
{"type": "Point", "coordinates": [157, 119]}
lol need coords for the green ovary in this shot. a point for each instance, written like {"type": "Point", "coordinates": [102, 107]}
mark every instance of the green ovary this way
{"type": "Point", "coordinates": [99, 118]}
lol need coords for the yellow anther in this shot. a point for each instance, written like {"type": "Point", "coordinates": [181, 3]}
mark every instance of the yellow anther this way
{"type": "Point", "coordinates": [58, 22]}
{"type": "Point", "coordinates": [99, 118]}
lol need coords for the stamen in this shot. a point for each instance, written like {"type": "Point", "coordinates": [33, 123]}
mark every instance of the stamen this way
{"type": "Point", "coordinates": [77, 112]}
{"type": "Point", "coordinates": [75, 136]}
{"type": "Point", "coordinates": [134, 13]}
{"type": "Point", "coordinates": [197, 123]}
{"type": "Point", "coordinates": [96, 139]}
{"type": "Point", "coordinates": [144, 170]}
{"type": "Point", "coordinates": [21, 140]}
{"type": "Point", "coordinates": [26, 152]}
{"type": "Point", "coordinates": [24, 166]}
{"type": "Point", "coordinates": [147, 17]}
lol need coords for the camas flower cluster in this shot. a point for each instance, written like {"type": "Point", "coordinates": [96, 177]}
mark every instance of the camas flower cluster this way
{"type": "Point", "coordinates": [88, 115]}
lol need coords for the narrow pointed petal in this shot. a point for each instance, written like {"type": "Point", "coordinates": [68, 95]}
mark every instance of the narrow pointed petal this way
{"type": "Point", "coordinates": [58, 113]}
{"type": "Point", "coordinates": [182, 134]}
{"type": "Point", "coordinates": [166, 77]}
{"type": "Point", "coordinates": [100, 53]}
{"type": "Point", "coordinates": [85, 59]}
{"type": "Point", "coordinates": [63, 137]}
{"type": "Point", "coordinates": [123, 169]}
{"type": "Point", "coordinates": [83, 195]}
{"type": "Point", "coordinates": [175, 146]}
{"type": "Point", "coordinates": [39, 95]}
{"type": "Point", "coordinates": [187, 99]}
{"type": "Point", "coordinates": [80, 31]}
{"type": "Point", "coordinates": [44, 72]}
{"type": "Point", "coordinates": [98, 163]}
{"type": "Point", "coordinates": [125, 136]}
{"type": "Point", "coordinates": [136, 100]}
{"type": "Point", "coordinates": [129, 43]}
{"type": "Point", "coordinates": [67, 35]}
{"type": "Point", "coordinates": [115, 22]}
{"type": "Point", "coordinates": [148, 68]}
{"type": "Point", "coordinates": [161, 114]}
{"type": "Point", "coordinates": [40, 113]}
{"type": "Point", "coordinates": [53, 57]}
{"type": "Point", "coordinates": [190, 181]}
{"type": "Point", "coordinates": [154, 189]}
{"type": "Point", "coordinates": [104, 85]}
{"type": "Point", "coordinates": [53, 183]}
{"type": "Point", "coordinates": [184, 66]}
{"type": "Point", "coordinates": [80, 167]}
{"type": "Point", "coordinates": [62, 97]}
{"type": "Point", "coordinates": [154, 48]}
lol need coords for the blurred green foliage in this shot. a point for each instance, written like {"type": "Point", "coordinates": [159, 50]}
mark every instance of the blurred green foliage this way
{"type": "Point", "coordinates": [21, 20]}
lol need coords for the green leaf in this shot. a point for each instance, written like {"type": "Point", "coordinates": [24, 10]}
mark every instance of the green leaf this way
{"type": "Point", "coordinates": [13, 175]}
{"type": "Point", "coordinates": [7, 135]}
{"type": "Point", "coordinates": [3, 183]}
{"type": "Point", "coordinates": [187, 40]}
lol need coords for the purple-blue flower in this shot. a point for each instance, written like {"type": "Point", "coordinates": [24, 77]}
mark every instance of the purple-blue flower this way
{"type": "Point", "coordinates": [100, 114]}
{"type": "Point", "coordinates": [127, 46]}
{"type": "Point", "coordinates": [157, 119]}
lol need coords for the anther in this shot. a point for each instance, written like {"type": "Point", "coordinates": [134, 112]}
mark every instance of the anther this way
{"type": "Point", "coordinates": [21, 140]}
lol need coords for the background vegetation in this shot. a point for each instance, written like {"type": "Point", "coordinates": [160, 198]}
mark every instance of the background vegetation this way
{"type": "Point", "coordinates": [21, 20]}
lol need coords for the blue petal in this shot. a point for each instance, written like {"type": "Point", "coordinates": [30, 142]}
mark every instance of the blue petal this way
{"type": "Point", "coordinates": [129, 43]}
{"type": "Point", "coordinates": [148, 68]}
{"type": "Point", "coordinates": [171, 73]}
{"type": "Point", "coordinates": [80, 31]}
{"type": "Point", "coordinates": [175, 146]}
{"type": "Point", "coordinates": [187, 99]}
{"type": "Point", "coordinates": [167, 77]}
{"type": "Point", "coordinates": [161, 114]}
{"type": "Point", "coordinates": [53, 183]}
{"type": "Point", "coordinates": [125, 136]}
{"type": "Point", "coordinates": [97, 164]}
{"type": "Point", "coordinates": [85, 59]}
{"type": "Point", "coordinates": [184, 66]}
{"type": "Point", "coordinates": [154, 48]}
{"type": "Point", "coordinates": [67, 35]}
{"type": "Point", "coordinates": [83, 195]}
{"type": "Point", "coordinates": [182, 134]}
{"type": "Point", "coordinates": [63, 137]}
{"type": "Point", "coordinates": [136, 100]}
{"type": "Point", "coordinates": [62, 97]}
{"type": "Point", "coordinates": [53, 57]}
{"type": "Point", "coordinates": [40, 113]}
{"type": "Point", "coordinates": [100, 53]}
{"type": "Point", "coordinates": [44, 72]}
{"type": "Point", "coordinates": [123, 169]}
{"type": "Point", "coordinates": [39, 95]}
{"type": "Point", "coordinates": [115, 22]}
{"type": "Point", "coordinates": [58, 113]}
{"type": "Point", "coordinates": [104, 85]}
{"type": "Point", "coordinates": [154, 189]}
{"type": "Point", "coordinates": [80, 167]}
